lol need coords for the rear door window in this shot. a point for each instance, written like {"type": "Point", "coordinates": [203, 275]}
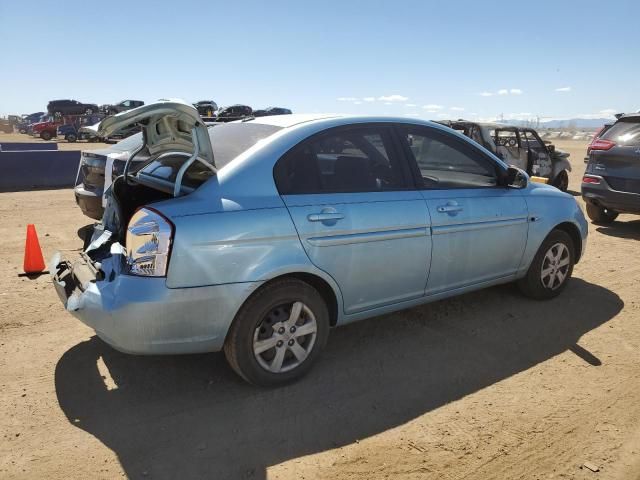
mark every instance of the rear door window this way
{"type": "Point", "coordinates": [346, 160]}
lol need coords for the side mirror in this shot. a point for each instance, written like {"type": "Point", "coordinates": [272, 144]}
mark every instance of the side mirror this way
{"type": "Point", "coordinates": [516, 178]}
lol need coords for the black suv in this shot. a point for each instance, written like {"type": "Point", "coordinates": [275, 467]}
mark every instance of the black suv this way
{"type": "Point", "coordinates": [271, 111]}
{"type": "Point", "coordinates": [234, 112]}
{"type": "Point", "coordinates": [122, 106]}
{"type": "Point", "coordinates": [611, 182]}
{"type": "Point", "coordinates": [70, 107]}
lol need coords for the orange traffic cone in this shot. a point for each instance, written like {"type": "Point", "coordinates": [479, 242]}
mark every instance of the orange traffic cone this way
{"type": "Point", "coordinates": [33, 261]}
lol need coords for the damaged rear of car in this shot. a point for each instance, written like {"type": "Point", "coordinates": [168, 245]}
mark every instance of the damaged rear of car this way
{"type": "Point", "coordinates": [118, 285]}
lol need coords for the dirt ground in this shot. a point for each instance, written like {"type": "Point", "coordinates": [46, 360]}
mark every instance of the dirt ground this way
{"type": "Point", "coordinates": [486, 386]}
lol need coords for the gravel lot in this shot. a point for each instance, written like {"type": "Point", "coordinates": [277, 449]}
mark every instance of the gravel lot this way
{"type": "Point", "coordinates": [489, 385]}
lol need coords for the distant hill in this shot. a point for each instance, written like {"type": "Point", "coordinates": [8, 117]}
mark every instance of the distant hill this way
{"type": "Point", "coordinates": [570, 123]}
{"type": "Point", "coordinates": [577, 123]}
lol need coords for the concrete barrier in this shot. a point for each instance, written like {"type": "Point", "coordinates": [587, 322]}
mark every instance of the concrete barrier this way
{"type": "Point", "coordinates": [18, 147]}
{"type": "Point", "coordinates": [25, 170]}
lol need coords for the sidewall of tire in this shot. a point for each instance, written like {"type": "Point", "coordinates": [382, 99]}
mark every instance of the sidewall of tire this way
{"type": "Point", "coordinates": [531, 285]}
{"type": "Point", "coordinates": [238, 346]}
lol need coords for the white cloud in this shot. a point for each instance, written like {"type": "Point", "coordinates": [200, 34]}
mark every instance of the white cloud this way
{"type": "Point", "coordinates": [410, 105]}
{"type": "Point", "coordinates": [393, 98]}
{"type": "Point", "coordinates": [388, 103]}
{"type": "Point", "coordinates": [369, 99]}
{"type": "Point", "coordinates": [346, 99]}
{"type": "Point", "coordinates": [433, 107]}
{"type": "Point", "coordinates": [411, 114]}
{"type": "Point", "coordinates": [563, 89]}
{"type": "Point", "coordinates": [357, 102]}
{"type": "Point", "coordinates": [608, 111]}
{"type": "Point", "coordinates": [486, 94]}
{"type": "Point", "coordinates": [457, 109]}
{"type": "Point", "coordinates": [442, 115]}
{"type": "Point", "coordinates": [515, 91]}
{"type": "Point", "coordinates": [503, 91]}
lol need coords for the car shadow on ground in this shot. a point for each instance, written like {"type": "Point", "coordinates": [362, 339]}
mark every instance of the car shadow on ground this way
{"type": "Point", "coordinates": [622, 229]}
{"type": "Point", "coordinates": [192, 417]}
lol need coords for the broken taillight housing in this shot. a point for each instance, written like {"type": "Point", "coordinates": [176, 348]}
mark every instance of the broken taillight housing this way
{"type": "Point", "coordinates": [148, 243]}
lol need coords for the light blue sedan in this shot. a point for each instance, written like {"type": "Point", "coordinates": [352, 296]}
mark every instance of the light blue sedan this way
{"type": "Point", "coordinates": [256, 237]}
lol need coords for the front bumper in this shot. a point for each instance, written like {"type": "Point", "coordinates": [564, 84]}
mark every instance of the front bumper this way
{"type": "Point", "coordinates": [602, 195]}
{"type": "Point", "coordinates": [141, 315]}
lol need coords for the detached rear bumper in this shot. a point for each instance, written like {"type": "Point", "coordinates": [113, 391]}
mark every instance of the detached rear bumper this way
{"type": "Point", "coordinates": [141, 315]}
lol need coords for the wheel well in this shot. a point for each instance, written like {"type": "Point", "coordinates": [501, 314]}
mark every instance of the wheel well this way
{"type": "Point", "coordinates": [574, 233]}
{"type": "Point", "coordinates": [322, 287]}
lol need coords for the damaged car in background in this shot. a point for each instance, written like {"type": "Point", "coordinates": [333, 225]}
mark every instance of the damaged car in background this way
{"type": "Point", "coordinates": [257, 237]}
{"type": "Point", "coordinates": [521, 147]}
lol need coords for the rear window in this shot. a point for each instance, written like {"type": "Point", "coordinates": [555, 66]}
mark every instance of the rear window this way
{"type": "Point", "coordinates": [228, 141]}
{"type": "Point", "coordinates": [624, 132]}
{"type": "Point", "coordinates": [232, 139]}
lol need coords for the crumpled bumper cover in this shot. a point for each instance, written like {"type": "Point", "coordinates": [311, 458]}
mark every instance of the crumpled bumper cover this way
{"type": "Point", "coordinates": [141, 315]}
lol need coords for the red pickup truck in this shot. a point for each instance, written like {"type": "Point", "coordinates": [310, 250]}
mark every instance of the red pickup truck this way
{"type": "Point", "coordinates": [46, 130]}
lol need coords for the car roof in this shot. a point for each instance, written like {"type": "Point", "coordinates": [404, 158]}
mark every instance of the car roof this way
{"type": "Point", "coordinates": [291, 120]}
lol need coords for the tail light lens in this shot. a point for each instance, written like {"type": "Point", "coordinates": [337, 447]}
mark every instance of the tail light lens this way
{"type": "Point", "coordinates": [148, 243]}
{"type": "Point", "coordinates": [593, 180]}
{"type": "Point", "coordinates": [599, 144]}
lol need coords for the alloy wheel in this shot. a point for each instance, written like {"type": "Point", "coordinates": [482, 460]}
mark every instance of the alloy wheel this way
{"type": "Point", "coordinates": [555, 266]}
{"type": "Point", "coordinates": [285, 337]}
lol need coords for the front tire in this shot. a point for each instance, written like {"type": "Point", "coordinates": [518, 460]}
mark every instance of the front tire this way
{"type": "Point", "coordinates": [601, 215]}
{"type": "Point", "coordinates": [561, 182]}
{"type": "Point", "coordinates": [45, 136]}
{"type": "Point", "coordinates": [278, 333]}
{"type": "Point", "coordinates": [551, 267]}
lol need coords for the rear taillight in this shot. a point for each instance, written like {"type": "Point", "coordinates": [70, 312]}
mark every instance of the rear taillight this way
{"type": "Point", "coordinates": [592, 180]}
{"type": "Point", "coordinates": [148, 243]}
{"type": "Point", "coordinates": [600, 144]}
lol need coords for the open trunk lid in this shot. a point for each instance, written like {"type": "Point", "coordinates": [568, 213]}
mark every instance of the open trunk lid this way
{"type": "Point", "coordinates": [167, 126]}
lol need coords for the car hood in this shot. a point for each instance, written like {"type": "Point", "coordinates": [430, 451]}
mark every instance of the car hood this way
{"type": "Point", "coordinates": [167, 125]}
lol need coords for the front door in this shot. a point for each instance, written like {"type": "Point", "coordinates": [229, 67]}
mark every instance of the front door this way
{"type": "Point", "coordinates": [357, 216]}
{"type": "Point", "coordinates": [479, 229]}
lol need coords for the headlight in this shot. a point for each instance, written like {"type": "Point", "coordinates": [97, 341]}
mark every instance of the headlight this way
{"type": "Point", "coordinates": [148, 243]}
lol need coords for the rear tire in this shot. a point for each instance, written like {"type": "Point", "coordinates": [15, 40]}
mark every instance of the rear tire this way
{"type": "Point", "coordinates": [561, 182]}
{"type": "Point", "coordinates": [45, 135]}
{"type": "Point", "coordinates": [278, 333]}
{"type": "Point", "coordinates": [601, 215]}
{"type": "Point", "coordinates": [71, 137]}
{"type": "Point", "coordinates": [551, 267]}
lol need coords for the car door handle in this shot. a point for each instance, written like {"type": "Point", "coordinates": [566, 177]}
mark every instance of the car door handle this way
{"type": "Point", "coordinates": [323, 217]}
{"type": "Point", "coordinates": [449, 208]}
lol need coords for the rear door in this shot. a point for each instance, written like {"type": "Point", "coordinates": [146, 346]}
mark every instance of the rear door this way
{"type": "Point", "coordinates": [479, 229]}
{"type": "Point", "coordinates": [359, 219]}
{"type": "Point", "coordinates": [619, 163]}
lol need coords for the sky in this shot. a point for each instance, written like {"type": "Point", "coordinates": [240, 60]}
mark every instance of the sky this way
{"type": "Point", "coordinates": [430, 59]}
